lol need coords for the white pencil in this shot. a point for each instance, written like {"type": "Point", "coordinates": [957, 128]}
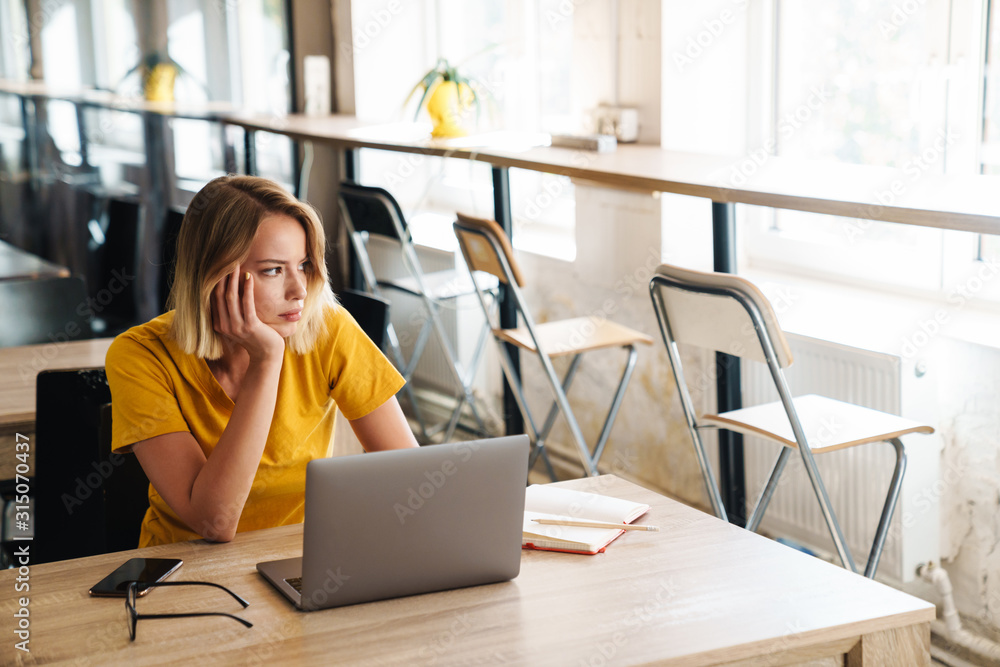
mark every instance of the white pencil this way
{"type": "Point", "coordinates": [594, 524]}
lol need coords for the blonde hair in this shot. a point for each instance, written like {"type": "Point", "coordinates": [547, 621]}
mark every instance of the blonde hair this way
{"type": "Point", "coordinates": [216, 234]}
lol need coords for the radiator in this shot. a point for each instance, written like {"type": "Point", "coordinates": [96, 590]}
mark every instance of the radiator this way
{"type": "Point", "coordinates": [856, 478]}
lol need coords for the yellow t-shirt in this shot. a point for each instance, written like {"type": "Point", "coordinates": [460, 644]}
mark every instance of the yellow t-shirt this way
{"type": "Point", "coordinates": [157, 389]}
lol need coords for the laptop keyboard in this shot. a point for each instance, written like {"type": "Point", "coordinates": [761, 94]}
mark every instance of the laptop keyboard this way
{"type": "Point", "coordinates": [296, 583]}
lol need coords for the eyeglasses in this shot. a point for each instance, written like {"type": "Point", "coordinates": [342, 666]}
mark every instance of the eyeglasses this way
{"type": "Point", "coordinates": [134, 616]}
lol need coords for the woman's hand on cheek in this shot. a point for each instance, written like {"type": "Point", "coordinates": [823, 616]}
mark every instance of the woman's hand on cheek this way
{"type": "Point", "coordinates": [234, 317]}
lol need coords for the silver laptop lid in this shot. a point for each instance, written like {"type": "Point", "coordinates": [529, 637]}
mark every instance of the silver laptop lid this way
{"type": "Point", "coordinates": [387, 524]}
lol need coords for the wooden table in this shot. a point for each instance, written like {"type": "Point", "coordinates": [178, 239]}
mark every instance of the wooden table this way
{"type": "Point", "coordinates": [19, 368]}
{"type": "Point", "coordinates": [17, 264]}
{"type": "Point", "coordinates": [700, 592]}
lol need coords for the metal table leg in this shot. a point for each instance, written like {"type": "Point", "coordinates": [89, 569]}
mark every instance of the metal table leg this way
{"type": "Point", "coordinates": [249, 152]}
{"type": "Point", "coordinates": [731, 471]}
{"type": "Point", "coordinates": [513, 420]}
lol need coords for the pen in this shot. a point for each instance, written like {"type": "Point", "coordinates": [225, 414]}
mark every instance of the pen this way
{"type": "Point", "coordinates": [594, 524]}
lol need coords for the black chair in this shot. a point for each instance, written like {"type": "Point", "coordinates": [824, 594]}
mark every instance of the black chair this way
{"type": "Point", "coordinates": [370, 311]}
{"type": "Point", "coordinates": [168, 249]}
{"type": "Point", "coordinates": [44, 310]}
{"type": "Point", "coordinates": [114, 267]}
{"type": "Point", "coordinates": [88, 500]}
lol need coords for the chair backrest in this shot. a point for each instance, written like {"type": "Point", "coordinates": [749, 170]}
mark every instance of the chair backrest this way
{"type": "Point", "coordinates": [487, 248]}
{"type": "Point", "coordinates": [717, 311]}
{"type": "Point", "coordinates": [88, 500]}
{"type": "Point", "coordinates": [44, 310]}
{"type": "Point", "coordinates": [370, 311]}
{"type": "Point", "coordinates": [168, 247]}
{"type": "Point", "coordinates": [119, 259]}
{"type": "Point", "coordinates": [372, 210]}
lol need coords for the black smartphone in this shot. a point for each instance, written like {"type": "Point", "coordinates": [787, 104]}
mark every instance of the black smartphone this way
{"type": "Point", "coordinates": [144, 570]}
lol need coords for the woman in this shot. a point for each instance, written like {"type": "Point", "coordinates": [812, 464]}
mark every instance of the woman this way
{"type": "Point", "coordinates": [227, 397]}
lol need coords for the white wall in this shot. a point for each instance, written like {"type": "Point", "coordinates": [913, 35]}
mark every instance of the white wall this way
{"type": "Point", "coordinates": [970, 489]}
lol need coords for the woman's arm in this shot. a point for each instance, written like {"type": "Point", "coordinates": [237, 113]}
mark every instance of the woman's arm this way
{"type": "Point", "coordinates": [208, 494]}
{"type": "Point", "coordinates": [385, 427]}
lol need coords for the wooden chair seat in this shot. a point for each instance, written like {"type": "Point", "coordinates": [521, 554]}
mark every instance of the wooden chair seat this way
{"type": "Point", "coordinates": [828, 424]}
{"type": "Point", "coordinates": [574, 336]}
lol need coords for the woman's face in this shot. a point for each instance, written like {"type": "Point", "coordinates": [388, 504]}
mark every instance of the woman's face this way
{"type": "Point", "coordinates": [280, 266]}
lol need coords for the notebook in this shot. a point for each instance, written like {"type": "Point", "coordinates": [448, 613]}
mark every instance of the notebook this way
{"type": "Point", "coordinates": [388, 524]}
{"type": "Point", "coordinates": [552, 502]}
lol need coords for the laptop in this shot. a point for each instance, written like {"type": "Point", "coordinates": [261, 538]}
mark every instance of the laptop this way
{"type": "Point", "coordinates": [401, 522]}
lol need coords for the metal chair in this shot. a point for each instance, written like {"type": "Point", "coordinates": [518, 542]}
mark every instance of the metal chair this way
{"type": "Point", "coordinates": [487, 250]}
{"type": "Point", "coordinates": [48, 310]}
{"type": "Point", "coordinates": [369, 212]}
{"type": "Point", "coordinates": [726, 313]}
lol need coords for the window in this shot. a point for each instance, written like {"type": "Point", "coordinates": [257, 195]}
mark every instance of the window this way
{"type": "Point", "coordinates": [988, 246]}
{"type": "Point", "coordinates": [903, 85]}
{"type": "Point", "coordinates": [115, 45]}
{"type": "Point", "coordinates": [852, 84]}
{"type": "Point", "coordinates": [235, 52]}
{"type": "Point", "coordinates": [227, 51]}
{"type": "Point", "coordinates": [519, 52]}
{"type": "Point", "coordinates": [61, 48]}
{"type": "Point", "coordinates": [14, 48]}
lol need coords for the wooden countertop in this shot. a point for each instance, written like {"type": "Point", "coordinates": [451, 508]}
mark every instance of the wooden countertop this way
{"type": "Point", "coordinates": [869, 193]}
{"type": "Point", "coordinates": [19, 368]}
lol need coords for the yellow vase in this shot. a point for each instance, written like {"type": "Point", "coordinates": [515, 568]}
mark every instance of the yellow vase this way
{"type": "Point", "coordinates": [451, 107]}
{"type": "Point", "coordinates": [160, 83]}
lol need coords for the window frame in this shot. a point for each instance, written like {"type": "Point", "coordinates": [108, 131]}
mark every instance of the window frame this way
{"type": "Point", "coordinates": [954, 256]}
